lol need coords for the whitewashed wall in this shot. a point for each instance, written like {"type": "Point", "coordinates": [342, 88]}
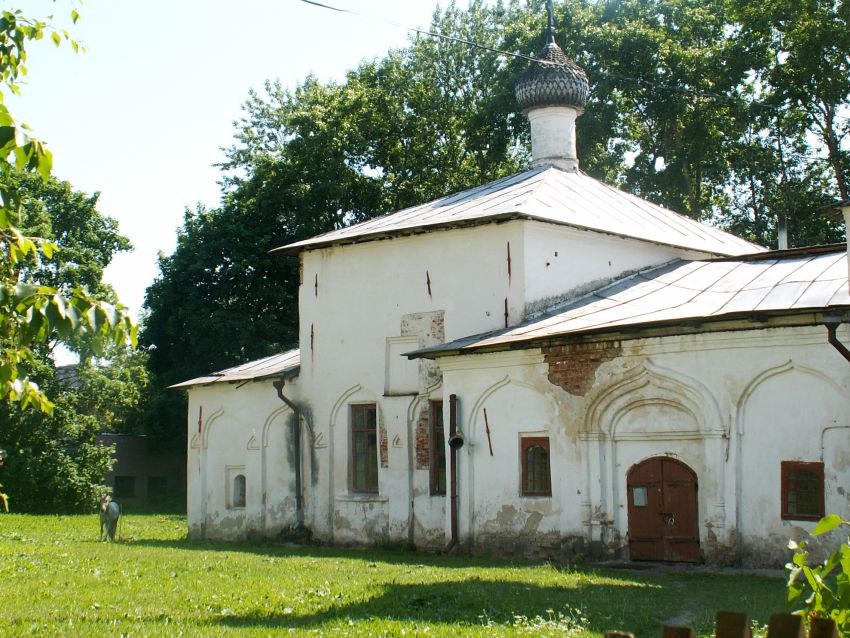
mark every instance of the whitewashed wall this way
{"type": "Point", "coordinates": [731, 406]}
{"type": "Point", "coordinates": [728, 405]}
{"type": "Point", "coordinates": [244, 430]}
{"type": "Point", "coordinates": [561, 262]}
{"type": "Point", "coordinates": [363, 305]}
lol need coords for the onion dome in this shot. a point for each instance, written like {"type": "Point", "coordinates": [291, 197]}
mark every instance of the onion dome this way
{"type": "Point", "coordinates": [553, 80]}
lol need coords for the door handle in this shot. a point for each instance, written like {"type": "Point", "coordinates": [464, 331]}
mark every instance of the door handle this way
{"type": "Point", "coordinates": [669, 518]}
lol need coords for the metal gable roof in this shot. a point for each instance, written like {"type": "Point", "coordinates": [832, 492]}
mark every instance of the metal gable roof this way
{"type": "Point", "coordinates": [546, 194]}
{"type": "Point", "coordinates": [705, 290]}
{"type": "Point", "coordinates": [278, 365]}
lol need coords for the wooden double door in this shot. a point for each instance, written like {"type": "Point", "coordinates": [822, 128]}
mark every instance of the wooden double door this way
{"type": "Point", "coordinates": [663, 522]}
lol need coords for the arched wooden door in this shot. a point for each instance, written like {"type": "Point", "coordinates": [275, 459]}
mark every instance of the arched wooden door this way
{"type": "Point", "coordinates": [663, 511]}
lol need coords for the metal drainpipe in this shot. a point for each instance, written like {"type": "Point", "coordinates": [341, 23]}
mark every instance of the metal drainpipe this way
{"type": "Point", "coordinates": [453, 471]}
{"type": "Point", "coordinates": [299, 502]}
{"type": "Point", "coordinates": [832, 328]}
{"type": "Point", "coordinates": [823, 435]}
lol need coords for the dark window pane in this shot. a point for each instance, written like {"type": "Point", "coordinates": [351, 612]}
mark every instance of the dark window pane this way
{"type": "Point", "coordinates": [802, 490]}
{"type": "Point", "coordinates": [239, 491]}
{"type": "Point", "coordinates": [803, 497]}
{"type": "Point", "coordinates": [536, 479]}
{"type": "Point", "coordinates": [438, 450]}
{"type": "Point", "coordinates": [364, 448]}
{"type": "Point", "coordinates": [124, 487]}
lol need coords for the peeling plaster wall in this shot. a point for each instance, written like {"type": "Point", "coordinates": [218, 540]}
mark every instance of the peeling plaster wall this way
{"type": "Point", "coordinates": [791, 411]}
{"type": "Point", "coordinates": [244, 430]}
{"type": "Point", "coordinates": [362, 306]}
{"type": "Point", "coordinates": [731, 406]}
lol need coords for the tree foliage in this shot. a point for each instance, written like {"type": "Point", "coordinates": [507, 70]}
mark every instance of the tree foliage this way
{"type": "Point", "coordinates": [34, 313]}
{"type": "Point", "coordinates": [821, 590]}
{"type": "Point", "coordinates": [55, 463]}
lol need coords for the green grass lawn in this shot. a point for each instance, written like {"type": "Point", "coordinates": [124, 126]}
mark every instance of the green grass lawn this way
{"type": "Point", "coordinates": [57, 580]}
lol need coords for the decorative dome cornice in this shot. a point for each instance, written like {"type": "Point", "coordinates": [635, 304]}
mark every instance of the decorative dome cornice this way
{"type": "Point", "coordinates": [552, 80]}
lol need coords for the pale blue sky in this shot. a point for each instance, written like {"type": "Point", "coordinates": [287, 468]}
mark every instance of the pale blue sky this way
{"type": "Point", "coordinates": [141, 115]}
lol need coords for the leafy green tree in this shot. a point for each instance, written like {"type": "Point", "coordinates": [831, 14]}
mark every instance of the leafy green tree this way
{"type": "Point", "coordinates": [309, 161]}
{"type": "Point", "coordinates": [33, 313]}
{"type": "Point", "coordinates": [54, 461]}
{"type": "Point", "coordinates": [821, 590]}
{"type": "Point", "coordinates": [805, 69]}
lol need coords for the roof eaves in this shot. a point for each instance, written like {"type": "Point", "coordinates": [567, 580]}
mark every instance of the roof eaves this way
{"type": "Point", "coordinates": [500, 218]}
{"type": "Point", "coordinates": [212, 379]}
{"type": "Point", "coordinates": [738, 321]}
{"type": "Point", "coordinates": [820, 249]}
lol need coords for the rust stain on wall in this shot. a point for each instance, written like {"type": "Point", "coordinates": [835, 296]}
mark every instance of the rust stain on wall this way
{"type": "Point", "coordinates": [573, 366]}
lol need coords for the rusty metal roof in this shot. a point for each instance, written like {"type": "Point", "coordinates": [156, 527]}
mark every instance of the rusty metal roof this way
{"type": "Point", "coordinates": [275, 366]}
{"type": "Point", "coordinates": [781, 282]}
{"type": "Point", "coordinates": [547, 194]}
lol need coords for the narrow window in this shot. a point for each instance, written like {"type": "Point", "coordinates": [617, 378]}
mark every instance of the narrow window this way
{"type": "Point", "coordinates": [802, 491]}
{"type": "Point", "coordinates": [124, 487]}
{"type": "Point", "coordinates": [536, 479]}
{"type": "Point", "coordinates": [438, 450]}
{"type": "Point", "coordinates": [239, 490]}
{"type": "Point", "coordinates": [364, 448]}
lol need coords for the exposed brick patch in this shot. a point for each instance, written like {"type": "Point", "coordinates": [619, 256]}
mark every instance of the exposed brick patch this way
{"type": "Point", "coordinates": [428, 325]}
{"type": "Point", "coordinates": [383, 445]}
{"type": "Point", "coordinates": [573, 366]}
{"type": "Point", "coordinates": [423, 438]}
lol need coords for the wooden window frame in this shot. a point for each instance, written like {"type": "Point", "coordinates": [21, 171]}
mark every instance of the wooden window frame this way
{"type": "Point", "coordinates": [437, 449]}
{"type": "Point", "coordinates": [527, 442]}
{"type": "Point", "coordinates": [816, 468]}
{"type": "Point", "coordinates": [371, 448]}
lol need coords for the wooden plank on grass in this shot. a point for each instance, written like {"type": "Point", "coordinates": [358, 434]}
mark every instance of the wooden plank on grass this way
{"type": "Point", "coordinates": [786, 626]}
{"type": "Point", "coordinates": [822, 628]}
{"type": "Point", "coordinates": [672, 631]}
{"type": "Point", "coordinates": [732, 624]}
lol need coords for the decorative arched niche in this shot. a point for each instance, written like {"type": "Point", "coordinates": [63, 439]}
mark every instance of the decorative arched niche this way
{"type": "Point", "coordinates": [652, 402]}
{"type": "Point", "coordinates": [536, 410]}
{"type": "Point", "coordinates": [207, 427]}
{"type": "Point", "coordinates": [797, 385]}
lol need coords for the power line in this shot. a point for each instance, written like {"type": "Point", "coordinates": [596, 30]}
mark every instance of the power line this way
{"type": "Point", "coordinates": [514, 54]}
{"type": "Point", "coordinates": [433, 34]}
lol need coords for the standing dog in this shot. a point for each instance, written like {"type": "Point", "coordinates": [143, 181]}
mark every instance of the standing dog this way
{"type": "Point", "coordinates": [110, 511]}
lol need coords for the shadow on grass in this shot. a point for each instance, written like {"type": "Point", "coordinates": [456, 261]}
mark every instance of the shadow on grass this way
{"type": "Point", "coordinates": [638, 607]}
{"type": "Point", "coordinates": [608, 599]}
{"type": "Point", "coordinates": [395, 556]}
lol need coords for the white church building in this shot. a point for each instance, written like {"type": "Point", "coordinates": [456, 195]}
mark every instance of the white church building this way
{"type": "Point", "coordinates": [543, 365]}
